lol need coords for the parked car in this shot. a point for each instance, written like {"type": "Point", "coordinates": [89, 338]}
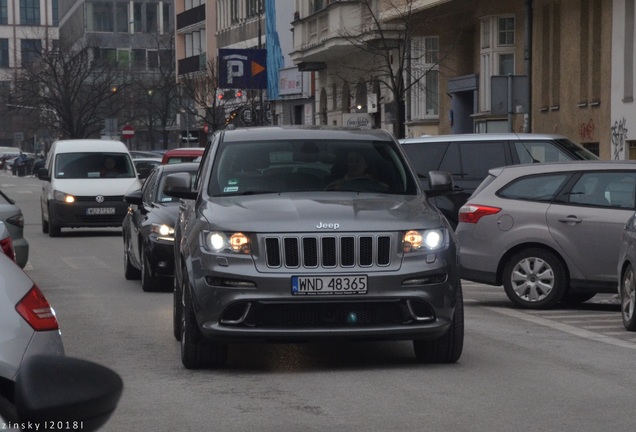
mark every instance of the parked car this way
{"type": "Point", "coordinates": [182, 154]}
{"type": "Point", "coordinates": [626, 274]}
{"type": "Point", "coordinates": [275, 247]}
{"type": "Point", "coordinates": [549, 233]}
{"type": "Point", "coordinates": [148, 229]}
{"type": "Point", "coordinates": [84, 184]}
{"type": "Point", "coordinates": [28, 327]}
{"type": "Point", "coordinates": [468, 157]}
{"type": "Point", "coordinates": [13, 219]}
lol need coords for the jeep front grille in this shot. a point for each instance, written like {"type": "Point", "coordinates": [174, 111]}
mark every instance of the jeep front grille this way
{"type": "Point", "coordinates": [328, 251]}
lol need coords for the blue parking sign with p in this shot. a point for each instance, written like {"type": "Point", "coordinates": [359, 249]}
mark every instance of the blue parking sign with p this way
{"type": "Point", "coordinates": [243, 68]}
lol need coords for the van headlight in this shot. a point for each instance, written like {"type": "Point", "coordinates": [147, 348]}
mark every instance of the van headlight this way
{"type": "Point", "coordinates": [63, 197]}
{"type": "Point", "coordinates": [218, 241]}
{"type": "Point", "coordinates": [424, 240]}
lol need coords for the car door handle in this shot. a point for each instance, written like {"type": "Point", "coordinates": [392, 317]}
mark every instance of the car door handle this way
{"type": "Point", "coordinates": [570, 219]}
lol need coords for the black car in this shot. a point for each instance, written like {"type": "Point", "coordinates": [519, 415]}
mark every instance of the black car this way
{"type": "Point", "coordinates": [148, 229]}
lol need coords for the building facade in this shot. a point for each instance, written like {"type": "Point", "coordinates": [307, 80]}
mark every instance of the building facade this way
{"type": "Point", "coordinates": [25, 26]}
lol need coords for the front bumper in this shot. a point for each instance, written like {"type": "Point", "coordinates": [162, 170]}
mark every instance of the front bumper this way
{"type": "Point", "coordinates": [394, 308]}
{"type": "Point", "coordinates": [160, 255]}
{"type": "Point", "coordinates": [76, 215]}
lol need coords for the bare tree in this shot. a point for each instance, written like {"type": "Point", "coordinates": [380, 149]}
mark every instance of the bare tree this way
{"type": "Point", "coordinates": [384, 44]}
{"type": "Point", "coordinates": [199, 96]}
{"type": "Point", "coordinates": [156, 93]}
{"type": "Point", "coordinates": [70, 88]}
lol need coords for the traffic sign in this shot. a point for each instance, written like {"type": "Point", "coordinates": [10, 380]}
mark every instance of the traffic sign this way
{"type": "Point", "coordinates": [128, 132]}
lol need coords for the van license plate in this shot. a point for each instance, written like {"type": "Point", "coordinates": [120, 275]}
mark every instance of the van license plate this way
{"type": "Point", "coordinates": [100, 211]}
{"type": "Point", "coordinates": [326, 285]}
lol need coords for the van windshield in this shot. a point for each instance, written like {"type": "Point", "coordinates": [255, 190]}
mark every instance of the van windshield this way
{"type": "Point", "coordinates": [91, 165]}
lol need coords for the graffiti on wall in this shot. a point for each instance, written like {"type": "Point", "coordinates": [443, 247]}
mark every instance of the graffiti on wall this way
{"type": "Point", "coordinates": [619, 137]}
{"type": "Point", "coordinates": [586, 131]}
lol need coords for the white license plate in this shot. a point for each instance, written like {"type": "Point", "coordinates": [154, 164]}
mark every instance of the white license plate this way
{"type": "Point", "coordinates": [100, 211]}
{"type": "Point", "coordinates": [325, 285]}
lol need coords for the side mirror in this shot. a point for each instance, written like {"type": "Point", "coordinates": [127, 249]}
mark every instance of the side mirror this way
{"type": "Point", "coordinates": [178, 185]}
{"type": "Point", "coordinates": [134, 197]}
{"type": "Point", "coordinates": [52, 389]}
{"type": "Point", "coordinates": [43, 174]}
{"type": "Point", "coordinates": [439, 183]}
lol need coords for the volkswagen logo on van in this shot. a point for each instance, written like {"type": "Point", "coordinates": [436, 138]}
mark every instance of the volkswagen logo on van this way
{"type": "Point", "coordinates": [99, 198]}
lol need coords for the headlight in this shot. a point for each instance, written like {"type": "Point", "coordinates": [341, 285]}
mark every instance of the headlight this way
{"type": "Point", "coordinates": [425, 240]}
{"type": "Point", "coordinates": [64, 197]}
{"type": "Point", "coordinates": [164, 231]}
{"type": "Point", "coordinates": [217, 241]}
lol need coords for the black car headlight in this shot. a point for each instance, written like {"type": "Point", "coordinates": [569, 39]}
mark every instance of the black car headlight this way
{"type": "Point", "coordinates": [218, 241]}
{"type": "Point", "coordinates": [162, 231]}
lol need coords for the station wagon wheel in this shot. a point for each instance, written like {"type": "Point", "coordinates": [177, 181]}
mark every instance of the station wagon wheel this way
{"type": "Point", "coordinates": [628, 298]}
{"type": "Point", "coordinates": [448, 348]}
{"type": "Point", "coordinates": [535, 279]}
{"type": "Point", "coordinates": [196, 351]}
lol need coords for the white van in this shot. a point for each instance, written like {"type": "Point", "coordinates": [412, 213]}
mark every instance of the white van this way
{"type": "Point", "coordinates": [85, 181]}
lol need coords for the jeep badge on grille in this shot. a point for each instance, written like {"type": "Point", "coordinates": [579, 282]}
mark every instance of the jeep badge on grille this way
{"type": "Point", "coordinates": [324, 225]}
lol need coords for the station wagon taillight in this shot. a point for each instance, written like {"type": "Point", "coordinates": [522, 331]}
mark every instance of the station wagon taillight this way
{"type": "Point", "coordinates": [471, 213]}
{"type": "Point", "coordinates": [36, 310]}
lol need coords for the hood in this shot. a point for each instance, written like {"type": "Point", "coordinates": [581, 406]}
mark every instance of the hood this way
{"type": "Point", "coordinates": [165, 213]}
{"type": "Point", "coordinates": [328, 212]}
{"type": "Point", "coordinates": [97, 186]}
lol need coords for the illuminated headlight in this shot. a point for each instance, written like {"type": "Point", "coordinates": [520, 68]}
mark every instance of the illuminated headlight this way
{"type": "Point", "coordinates": [164, 231]}
{"type": "Point", "coordinates": [217, 241]}
{"type": "Point", "coordinates": [64, 197]}
{"type": "Point", "coordinates": [426, 240]}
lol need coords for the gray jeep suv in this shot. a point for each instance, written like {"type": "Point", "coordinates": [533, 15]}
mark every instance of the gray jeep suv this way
{"type": "Point", "coordinates": [301, 234]}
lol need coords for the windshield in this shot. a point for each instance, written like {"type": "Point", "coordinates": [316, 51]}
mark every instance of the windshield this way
{"type": "Point", "coordinates": [91, 165]}
{"type": "Point", "coordinates": [309, 165]}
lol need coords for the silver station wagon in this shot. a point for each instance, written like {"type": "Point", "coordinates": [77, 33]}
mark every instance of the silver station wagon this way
{"type": "Point", "coordinates": [294, 234]}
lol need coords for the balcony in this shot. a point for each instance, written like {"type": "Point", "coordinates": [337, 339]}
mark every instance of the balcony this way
{"type": "Point", "coordinates": [320, 35]}
{"type": "Point", "coordinates": [192, 18]}
{"type": "Point", "coordinates": [192, 64]}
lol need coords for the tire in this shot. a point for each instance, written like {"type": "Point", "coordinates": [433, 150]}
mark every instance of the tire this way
{"type": "Point", "coordinates": [196, 351]}
{"type": "Point", "coordinates": [148, 282]}
{"type": "Point", "coordinates": [54, 229]}
{"type": "Point", "coordinates": [45, 225]}
{"type": "Point", "coordinates": [130, 272]}
{"type": "Point", "coordinates": [535, 279]}
{"type": "Point", "coordinates": [177, 310]}
{"type": "Point", "coordinates": [628, 298]}
{"type": "Point", "coordinates": [573, 299]}
{"type": "Point", "coordinates": [449, 347]}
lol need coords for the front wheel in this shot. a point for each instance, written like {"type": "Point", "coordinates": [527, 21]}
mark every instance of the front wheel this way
{"type": "Point", "coordinates": [177, 310]}
{"type": "Point", "coordinates": [535, 279]}
{"type": "Point", "coordinates": [449, 347]}
{"type": "Point", "coordinates": [130, 271]}
{"type": "Point", "coordinates": [54, 229]}
{"type": "Point", "coordinates": [628, 298]}
{"type": "Point", "coordinates": [196, 351]}
{"type": "Point", "coordinates": [148, 282]}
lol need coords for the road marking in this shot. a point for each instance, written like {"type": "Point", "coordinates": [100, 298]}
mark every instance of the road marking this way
{"type": "Point", "coordinates": [583, 333]}
{"type": "Point", "coordinates": [79, 263]}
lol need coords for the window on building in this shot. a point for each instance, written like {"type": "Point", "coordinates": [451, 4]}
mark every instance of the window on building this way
{"type": "Point", "coordinates": [99, 17]}
{"type": "Point", "coordinates": [4, 12]}
{"type": "Point", "coordinates": [30, 12]}
{"type": "Point", "coordinates": [234, 10]}
{"type": "Point", "coordinates": [251, 8]}
{"type": "Point", "coordinates": [166, 28]}
{"type": "Point", "coordinates": [152, 17]}
{"type": "Point", "coordinates": [153, 59]}
{"type": "Point", "coordinates": [166, 57]}
{"type": "Point", "coordinates": [4, 53]}
{"type": "Point", "coordinates": [121, 14]}
{"type": "Point", "coordinates": [425, 77]}
{"type": "Point", "coordinates": [30, 49]}
{"type": "Point", "coordinates": [139, 59]}
{"type": "Point", "coordinates": [55, 13]}
{"type": "Point", "coordinates": [137, 20]}
{"type": "Point", "coordinates": [497, 53]}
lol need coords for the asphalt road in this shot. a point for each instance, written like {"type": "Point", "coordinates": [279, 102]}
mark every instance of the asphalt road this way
{"type": "Point", "coordinates": [558, 370]}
